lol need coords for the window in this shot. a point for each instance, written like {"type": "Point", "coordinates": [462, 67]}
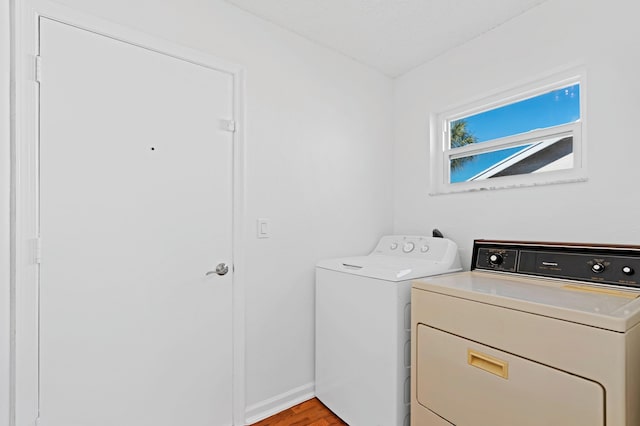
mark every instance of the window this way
{"type": "Point", "coordinates": [529, 136]}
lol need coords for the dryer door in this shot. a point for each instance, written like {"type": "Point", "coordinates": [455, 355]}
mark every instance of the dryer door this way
{"type": "Point", "coordinates": [470, 384]}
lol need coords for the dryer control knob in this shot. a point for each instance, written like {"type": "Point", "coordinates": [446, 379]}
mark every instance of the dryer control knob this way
{"type": "Point", "coordinates": [393, 246]}
{"type": "Point", "coordinates": [495, 259]}
{"type": "Point", "coordinates": [597, 267]}
{"type": "Point", "coordinates": [408, 247]}
{"type": "Point", "coordinates": [628, 270]}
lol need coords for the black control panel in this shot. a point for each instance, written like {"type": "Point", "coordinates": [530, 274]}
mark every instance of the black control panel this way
{"type": "Point", "coordinates": [597, 263]}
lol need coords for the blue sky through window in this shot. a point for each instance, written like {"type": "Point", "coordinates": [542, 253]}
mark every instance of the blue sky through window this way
{"type": "Point", "coordinates": [554, 108]}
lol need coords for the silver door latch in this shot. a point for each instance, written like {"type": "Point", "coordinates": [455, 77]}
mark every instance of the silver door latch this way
{"type": "Point", "coordinates": [221, 269]}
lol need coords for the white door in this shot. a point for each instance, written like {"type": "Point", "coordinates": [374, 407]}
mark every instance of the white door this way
{"type": "Point", "coordinates": [136, 208]}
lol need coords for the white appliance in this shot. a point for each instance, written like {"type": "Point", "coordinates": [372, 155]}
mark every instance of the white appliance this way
{"type": "Point", "coordinates": [536, 334]}
{"type": "Point", "coordinates": [363, 327]}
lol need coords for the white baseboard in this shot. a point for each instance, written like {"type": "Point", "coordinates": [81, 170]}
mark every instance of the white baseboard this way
{"type": "Point", "coordinates": [263, 409]}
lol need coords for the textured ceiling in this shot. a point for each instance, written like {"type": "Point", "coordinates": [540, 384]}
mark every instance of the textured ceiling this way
{"type": "Point", "coordinates": [392, 36]}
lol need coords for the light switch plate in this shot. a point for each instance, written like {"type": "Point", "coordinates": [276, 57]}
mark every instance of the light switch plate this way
{"type": "Point", "coordinates": [263, 228]}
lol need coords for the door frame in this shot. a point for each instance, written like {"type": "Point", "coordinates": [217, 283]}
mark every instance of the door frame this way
{"type": "Point", "coordinates": [25, 194]}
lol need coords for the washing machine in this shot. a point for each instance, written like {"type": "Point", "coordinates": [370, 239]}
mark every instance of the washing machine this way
{"type": "Point", "coordinates": [363, 327]}
{"type": "Point", "coordinates": [535, 334]}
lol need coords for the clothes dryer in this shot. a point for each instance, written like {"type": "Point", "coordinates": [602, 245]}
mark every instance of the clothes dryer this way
{"type": "Point", "coordinates": [537, 333]}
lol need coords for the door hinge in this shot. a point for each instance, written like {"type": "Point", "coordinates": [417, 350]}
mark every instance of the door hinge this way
{"type": "Point", "coordinates": [38, 69]}
{"type": "Point", "coordinates": [229, 125]}
{"type": "Point", "coordinates": [37, 251]}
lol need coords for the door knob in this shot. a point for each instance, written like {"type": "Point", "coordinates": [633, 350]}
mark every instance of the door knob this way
{"type": "Point", "coordinates": [221, 269]}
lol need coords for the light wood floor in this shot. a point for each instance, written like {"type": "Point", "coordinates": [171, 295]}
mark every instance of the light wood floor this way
{"type": "Point", "coordinates": [309, 413]}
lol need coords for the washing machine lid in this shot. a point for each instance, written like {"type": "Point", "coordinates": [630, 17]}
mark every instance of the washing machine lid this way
{"type": "Point", "coordinates": [388, 268]}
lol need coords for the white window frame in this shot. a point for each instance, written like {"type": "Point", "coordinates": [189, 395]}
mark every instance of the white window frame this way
{"type": "Point", "coordinates": [441, 153]}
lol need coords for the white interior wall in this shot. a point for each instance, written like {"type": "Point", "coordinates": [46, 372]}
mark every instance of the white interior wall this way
{"type": "Point", "coordinates": [318, 144]}
{"type": "Point", "coordinates": [5, 168]}
{"type": "Point", "coordinates": [602, 36]}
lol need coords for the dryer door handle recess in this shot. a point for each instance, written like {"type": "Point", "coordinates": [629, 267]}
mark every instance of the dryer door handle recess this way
{"type": "Point", "coordinates": [488, 363]}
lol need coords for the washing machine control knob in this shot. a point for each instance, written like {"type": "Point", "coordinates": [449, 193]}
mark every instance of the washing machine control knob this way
{"type": "Point", "coordinates": [408, 247]}
{"type": "Point", "coordinates": [597, 267]}
{"type": "Point", "coordinates": [628, 270]}
{"type": "Point", "coordinates": [393, 246]}
{"type": "Point", "coordinates": [495, 259]}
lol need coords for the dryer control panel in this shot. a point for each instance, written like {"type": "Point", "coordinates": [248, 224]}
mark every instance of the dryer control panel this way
{"type": "Point", "coordinates": [617, 265]}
